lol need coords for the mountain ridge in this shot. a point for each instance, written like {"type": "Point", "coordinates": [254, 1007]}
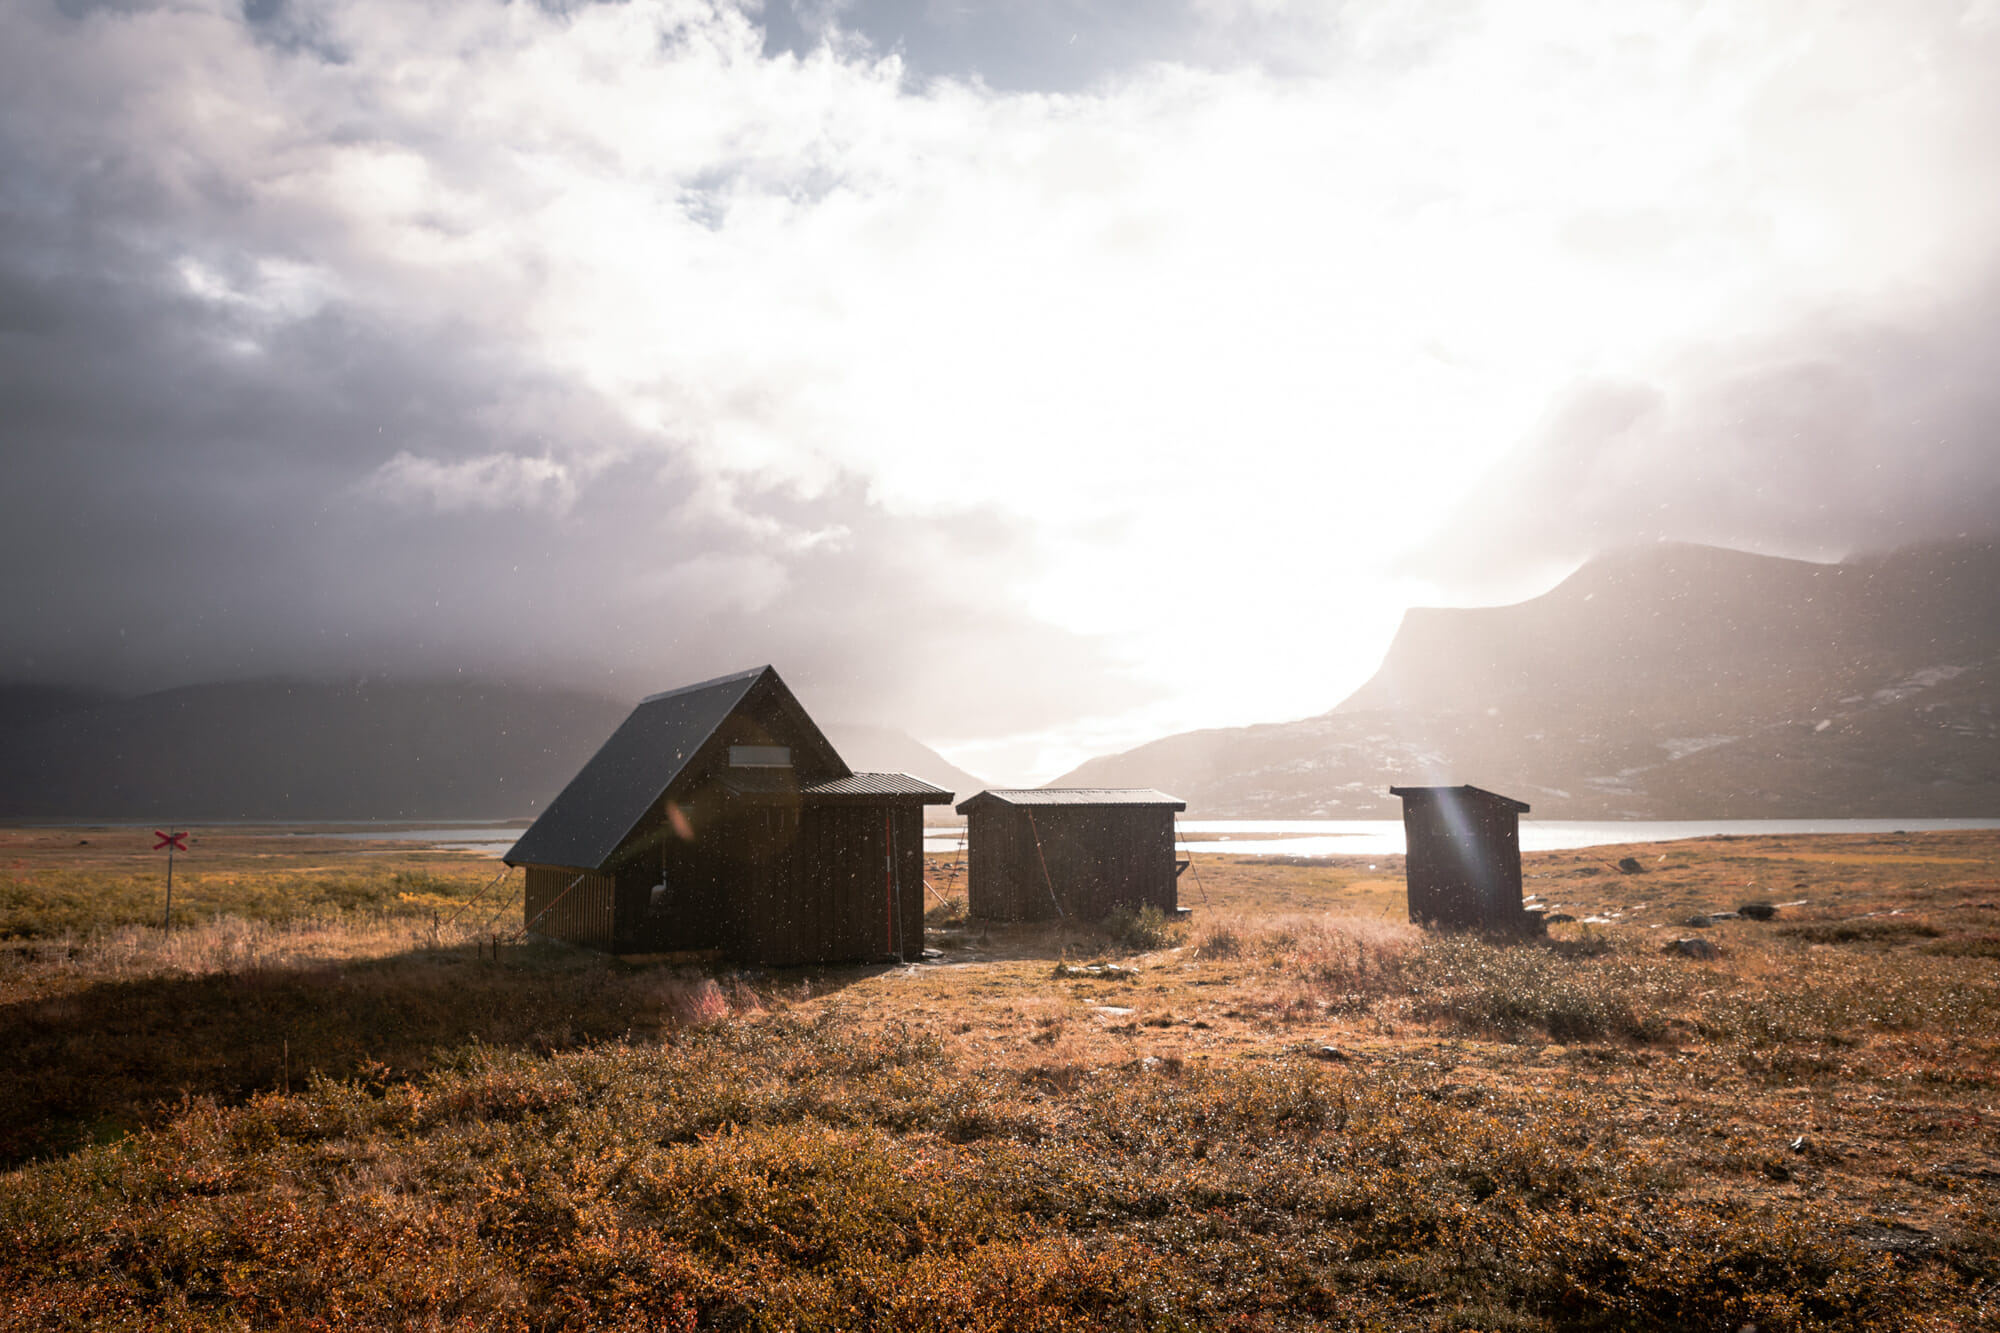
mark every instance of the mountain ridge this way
{"type": "Point", "coordinates": [1662, 682]}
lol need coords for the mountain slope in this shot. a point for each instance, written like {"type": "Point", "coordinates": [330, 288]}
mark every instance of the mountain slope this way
{"type": "Point", "coordinates": [1662, 682]}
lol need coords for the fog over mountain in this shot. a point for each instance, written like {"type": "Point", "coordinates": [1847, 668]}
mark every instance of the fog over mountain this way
{"type": "Point", "coordinates": [294, 751]}
{"type": "Point", "coordinates": [290, 751]}
{"type": "Point", "coordinates": [886, 750]}
{"type": "Point", "coordinates": [1660, 682]}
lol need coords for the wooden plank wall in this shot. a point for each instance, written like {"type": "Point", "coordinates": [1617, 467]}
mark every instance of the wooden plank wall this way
{"type": "Point", "coordinates": [775, 885]}
{"type": "Point", "coordinates": [837, 904]}
{"type": "Point", "coordinates": [569, 905]}
{"type": "Point", "coordinates": [1463, 863]}
{"type": "Point", "coordinates": [1097, 858]}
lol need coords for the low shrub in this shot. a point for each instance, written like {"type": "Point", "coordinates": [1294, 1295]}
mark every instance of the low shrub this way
{"type": "Point", "coordinates": [1514, 991]}
{"type": "Point", "coordinates": [137, 1032]}
{"type": "Point", "coordinates": [1143, 930]}
{"type": "Point", "coordinates": [1964, 946]}
{"type": "Point", "coordinates": [1861, 930]}
{"type": "Point", "coordinates": [787, 1174]}
{"type": "Point", "coordinates": [946, 913]}
{"type": "Point", "coordinates": [1219, 939]}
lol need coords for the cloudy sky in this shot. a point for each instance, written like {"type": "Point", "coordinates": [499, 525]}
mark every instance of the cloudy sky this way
{"type": "Point", "coordinates": [1038, 376]}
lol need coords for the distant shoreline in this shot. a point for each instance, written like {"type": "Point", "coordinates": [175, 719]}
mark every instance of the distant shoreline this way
{"type": "Point", "coordinates": [1307, 838]}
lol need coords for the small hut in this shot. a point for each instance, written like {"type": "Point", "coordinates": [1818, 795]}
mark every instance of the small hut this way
{"type": "Point", "coordinates": [1070, 852]}
{"type": "Point", "coordinates": [1464, 858]}
{"type": "Point", "coordinates": [718, 819]}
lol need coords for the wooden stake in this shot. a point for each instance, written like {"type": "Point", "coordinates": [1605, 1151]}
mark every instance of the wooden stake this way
{"type": "Point", "coordinates": [167, 918]}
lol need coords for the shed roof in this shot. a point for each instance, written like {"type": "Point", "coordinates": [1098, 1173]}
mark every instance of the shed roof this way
{"type": "Point", "coordinates": [755, 782]}
{"type": "Point", "coordinates": [882, 784]}
{"type": "Point", "coordinates": [1479, 794]}
{"type": "Point", "coordinates": [650, 750]}
{"type": "Point", "coordinates": [1071, 796]}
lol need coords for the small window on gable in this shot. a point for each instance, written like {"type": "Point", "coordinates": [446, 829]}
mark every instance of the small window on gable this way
{"type": "Point", "coordinates": [760, 756]}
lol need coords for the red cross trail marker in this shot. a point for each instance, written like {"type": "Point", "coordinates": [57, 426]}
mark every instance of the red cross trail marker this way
{"type": "Point", "coordinates": [173, 842]}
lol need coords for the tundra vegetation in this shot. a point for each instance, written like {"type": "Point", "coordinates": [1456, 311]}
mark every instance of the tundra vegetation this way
{"type": "Point", "coordinates": [335, 1097]}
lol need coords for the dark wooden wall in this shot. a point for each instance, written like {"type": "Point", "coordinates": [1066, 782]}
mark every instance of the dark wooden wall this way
{"type": "Point", "coordinates": [568, 905]}
{"type": "Point", "coordinates": [842, 899]}
{"type": "Point", "coordinates": [1464, 862]}
{"type": "Point", "coordinates": [704, 876]}
{"type": "Point", "coordinates": [1097, 858]}
{"type": "Point", "coordinates": [1001, 869]}
{"type": "Point", "coordinates": [776, 882]}
{"type": "Point", "coordinates": [759, 722]}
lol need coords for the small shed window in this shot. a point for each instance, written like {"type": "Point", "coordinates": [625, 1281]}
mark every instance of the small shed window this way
{"type": "Point", "coordinates": [760, 756]}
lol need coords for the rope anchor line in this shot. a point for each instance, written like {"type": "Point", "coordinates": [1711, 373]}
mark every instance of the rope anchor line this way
{"type": "Point", "coordinates": [505, 871]}
{"type": "Point", "coordinates": [1181, 844]}
{"type": "Point", "coordinates": [553, 901]}
{"type": "Point", "coordinates": [1043, 858]}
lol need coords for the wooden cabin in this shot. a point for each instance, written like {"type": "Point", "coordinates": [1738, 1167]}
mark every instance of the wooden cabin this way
{"type": "Point", "coordinates": [719, 819]}
{"type": "Point", "coordinates": [1464, 858]}
{"type": "Point", "coordinates": [1069, 852]}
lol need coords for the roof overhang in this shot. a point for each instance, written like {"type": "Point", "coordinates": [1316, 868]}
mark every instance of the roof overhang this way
{"type": "Point", "coordinates": [1467, 792]}
{"type": "Point", "coordinates": [854, 789]}
{"type": "Point", "coordinates": [1083, 797]}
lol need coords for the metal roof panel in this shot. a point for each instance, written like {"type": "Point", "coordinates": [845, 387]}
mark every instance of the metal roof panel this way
{"type": "Point", "coordinates": [590, 817]}
{"type": "Point", "coordinates": [761, 782]}
{"type": "Point", "coordinates": [881, 784]}
{"type": "Point", "coordinates": [1072, 796]}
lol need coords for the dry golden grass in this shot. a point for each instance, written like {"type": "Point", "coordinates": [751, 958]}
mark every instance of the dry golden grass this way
{"type": "Point", "coordinates": [1293, 1110]}
{"type": "Point", "coordinates": [220, 944]}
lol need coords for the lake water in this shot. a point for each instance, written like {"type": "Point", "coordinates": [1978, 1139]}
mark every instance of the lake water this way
{"type": "Point", "coordinates": [1322, 837]}
{"type": "Point", "coordinates": [492, 838]}
{"type": "Point", "coordinates": [1384, 837]}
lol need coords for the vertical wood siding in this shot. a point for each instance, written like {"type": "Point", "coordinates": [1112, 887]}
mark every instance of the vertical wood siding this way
{"type": "Point", "coordinates": [565, 905]}
{"type": "Point", "coordinates": [1463, 863]}
{"type": "Point", "coordinates": [776, 884]}
{"type": "Point", "coordinates": [1095, 859]}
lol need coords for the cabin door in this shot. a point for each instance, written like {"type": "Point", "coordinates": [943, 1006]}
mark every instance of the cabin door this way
{"type": "Point", "coordinates": [845, 884]}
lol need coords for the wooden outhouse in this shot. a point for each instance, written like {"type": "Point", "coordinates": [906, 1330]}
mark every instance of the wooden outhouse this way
{"type": "Point", "coordinates": [718, 818]}
{"type": "Point", "coordinates": [1069, 852]}
{"type": "Point", "coordinates": [1464, 858]}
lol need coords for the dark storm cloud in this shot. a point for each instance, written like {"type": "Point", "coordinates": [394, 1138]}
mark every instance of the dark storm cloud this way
{"type": "Point", "coordinates": [222, 465]}
{"type": "Point", "coordinates": [183, 477]}
{"type": "Point", "coordinates": [589, 342]}
{"type": "Point", "coordinates": [181, 510]}
{"type": "Point", "coordinates": [1844, 433]}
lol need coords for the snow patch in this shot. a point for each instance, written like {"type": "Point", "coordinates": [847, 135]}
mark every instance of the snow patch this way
{"type": "Point", "coordinates": [1915, 681]}
{"type": "Point", "coordinates": [1680, 747]}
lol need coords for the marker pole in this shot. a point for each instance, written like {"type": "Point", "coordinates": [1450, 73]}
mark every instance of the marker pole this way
{"type": "Point", "coordinates": [167, 919]}
{"type": "Point", "coordinates": [171, 841]}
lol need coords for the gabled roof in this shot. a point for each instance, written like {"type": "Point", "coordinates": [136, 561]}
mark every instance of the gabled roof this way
{"type": "Point", "coordinates": [1468, 791]}
{"type": "Point", "coordinates": [1071, 796]}
{"type": "Point", "coordinates": [648, 753]}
